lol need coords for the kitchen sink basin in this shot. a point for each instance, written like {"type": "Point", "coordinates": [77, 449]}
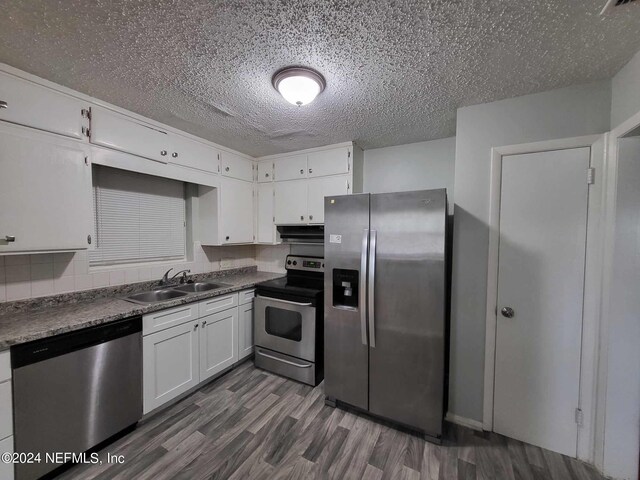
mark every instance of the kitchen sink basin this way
{"type": "Point", "coordinates": [199, 287]}
{"type": "Point", "coordinates": [155, 296]}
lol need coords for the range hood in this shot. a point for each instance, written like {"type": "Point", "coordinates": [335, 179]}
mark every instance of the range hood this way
{"type": "Point", "coordinates": [302, 234]}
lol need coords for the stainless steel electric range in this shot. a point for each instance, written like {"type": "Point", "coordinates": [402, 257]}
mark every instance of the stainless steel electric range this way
{"type": "Point", "coordinates": [289, 323]}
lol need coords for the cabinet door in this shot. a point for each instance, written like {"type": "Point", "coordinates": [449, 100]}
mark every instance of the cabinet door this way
{"type": "Point", "coordinates": [40, 107]}
{"type": "Point", "coordinates": [169, 364]}
{"type": "Point", "coordinates": [235, 166]}
{"type": "Point", "coordinates": [45, 191]}
{"type": "Point", "coordinates": [236, 211]}
{"type": "Point", "coordinates": [290, 168]}
{"type": "Point", "coordinates": [325, 187]}
{"type": "Point", "coordinates": [193, 154]}
{"type": "Point", "coordinates": [245, 330]}
{"type": "Point", "coordinates": [218, 342]}
{"type": "Point", "coordinates": [329, 162]}
{"type": "Point", "coordinates": [7, 469]}
{"type": "Point", "coordinates": [266, 228]}
{"type": "Point", "coordinates": [113, 130]}
{"type": "Point", "coordinates": [265, 171]}
{"type": "Point", "coordinates": [290, 202]}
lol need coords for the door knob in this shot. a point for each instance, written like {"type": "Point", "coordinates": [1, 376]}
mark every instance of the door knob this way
{"type": "Point", "coordinates": [507, 312]}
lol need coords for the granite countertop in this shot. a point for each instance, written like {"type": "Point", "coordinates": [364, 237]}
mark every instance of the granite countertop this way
{"type": "Point", "coordinates": [25, 321]}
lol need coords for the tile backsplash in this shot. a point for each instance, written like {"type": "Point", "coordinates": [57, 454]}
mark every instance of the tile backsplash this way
{"type": "Point", "coordinates": [38, 275]}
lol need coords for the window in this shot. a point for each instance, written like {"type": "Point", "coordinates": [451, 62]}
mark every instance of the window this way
{"type": "Point", "coordinates": [138, 218]}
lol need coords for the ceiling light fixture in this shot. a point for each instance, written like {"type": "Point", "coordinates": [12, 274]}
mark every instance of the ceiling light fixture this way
{"type": "Point", "coordinates": [298, 85]}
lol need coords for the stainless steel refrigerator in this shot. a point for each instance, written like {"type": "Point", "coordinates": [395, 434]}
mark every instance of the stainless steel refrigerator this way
{"type": "Point", "coordinates": [385, 305]}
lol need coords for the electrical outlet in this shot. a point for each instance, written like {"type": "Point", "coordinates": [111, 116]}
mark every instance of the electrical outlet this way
{"type": "Point", "coordinates": [226, 263]}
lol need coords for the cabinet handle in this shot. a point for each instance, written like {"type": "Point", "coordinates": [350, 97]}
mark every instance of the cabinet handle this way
{"type": "Point", "coordinates": [163, 152]}
{"type": "Point", "coordinates": [301, 217]}
{"type": "Point", "coordinates": [89, 239]}
{"type": "Point", "coordinates": [226, 169]}
{"type": "Point", "coordinates": [266, 175]}
{"type": "Point", "coordinates": [204, 324]}
{"type": "Point", "coordinates": [227, 237]}
{"type": "Point", "coordinates": [3, 104]}
{"type": "Point", "coordinates": [174, 154]}
{"type": "Point", "coordinates": [311, 170]}
{"type": "Point", "coordinates": [301, 171]}
{"type": "Point", "coordinates": [9, 238]}
{"type": "Point", "coordinates": [195, 327]}
{"type": "Point", "coordinates": [310, 217]}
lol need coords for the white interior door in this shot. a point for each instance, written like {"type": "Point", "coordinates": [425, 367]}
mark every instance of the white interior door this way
{"type": "Point", "coordinates": [543, 225]}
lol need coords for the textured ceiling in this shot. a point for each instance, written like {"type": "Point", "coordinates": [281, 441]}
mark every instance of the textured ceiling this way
{"type": "Point", "coordinates": [396, 70]}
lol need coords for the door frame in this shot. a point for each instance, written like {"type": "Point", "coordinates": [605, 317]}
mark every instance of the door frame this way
{"type": "Point", "coordinates": [592, 284]}
{"type": "Point", "coordinates": [630, 125]}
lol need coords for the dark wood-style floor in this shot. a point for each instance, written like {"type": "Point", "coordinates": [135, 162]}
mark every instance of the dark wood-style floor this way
{"type": "Point", "coordinates": [251, 424]}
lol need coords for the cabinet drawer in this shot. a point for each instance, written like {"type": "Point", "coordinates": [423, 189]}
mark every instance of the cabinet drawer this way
{"type": "Point", "coordinates": [6, 469]}
{"type": "Point", "coordinates": [6, 410]}
{"type": "Point", "coordinates": [218, 304]}
{"type": "Point", "coordinates": [235, 166]}
{"type": "Point", "coordinates": [329, 162]}
{"type": "Point", "coordinates": [246, 296]}
{"type": "Point", "coordinates": [265, 171]}
{"type": "Point", "coordinates": [40, 107]}
{"type": "Point", "coordinates": [157, 321]}
{"type": "Point", "coordinates": [113, 130]}
{"type": "Point", "coordinates": [5, 365]}
{"type": "Point", "coordinates": [290, 168]}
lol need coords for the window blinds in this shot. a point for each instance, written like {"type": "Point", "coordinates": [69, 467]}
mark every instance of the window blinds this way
{"type": "Point", "coordinates": [138, 218]}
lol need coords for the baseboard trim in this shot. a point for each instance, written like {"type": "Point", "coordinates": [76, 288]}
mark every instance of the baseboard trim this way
{"type": "Point", "coordinates": [464, 421]}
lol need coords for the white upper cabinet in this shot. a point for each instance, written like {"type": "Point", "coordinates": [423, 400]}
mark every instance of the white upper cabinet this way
{"type": "Point", "coordinates": [265, 171]}
{"type": "Point", "coordinates": [27, 103]}
{"type": "Point", "coordinates": [45, 192]}
{"type": "Point", "coordinates": [236, 211]}
{"type": "Point", "coordinates": [329, 162]}
{"type": "Point", "coordinates": [113, 130]}
{"type": "Point", "coordinates": [318, 188]}
{"type": "Point", "coordinates": [192, 154]}
{"type": "Point", "coordinates": [290, 168]}
{"type": "Point", "coordinates": [266, 228]}
{"type": "Point", "coordinates": [235, 166]}
{"type": "Point", "coordinates": [290, 202]}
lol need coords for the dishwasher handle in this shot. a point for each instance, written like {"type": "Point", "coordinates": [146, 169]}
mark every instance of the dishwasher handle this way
{"type": "Point", "coordinates": [50, 347]}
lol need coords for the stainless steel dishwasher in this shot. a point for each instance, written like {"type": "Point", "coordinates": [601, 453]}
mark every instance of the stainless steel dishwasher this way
{"type": "Point", "coordinates": [75, 390]}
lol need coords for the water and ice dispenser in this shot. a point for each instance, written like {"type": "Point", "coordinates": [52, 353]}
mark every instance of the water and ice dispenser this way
{"type": "Point", "coordinates": [345, 288]}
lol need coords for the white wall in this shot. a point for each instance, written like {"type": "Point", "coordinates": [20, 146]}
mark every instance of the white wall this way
{"type": "Point", "coordinates": [414, 166]}
{"type": "Point", "coordinates": [622, 417]}
{"type": "Point", "coordinates": [567, 112]}
{"type": "Point", "coordinates": [625, 97]}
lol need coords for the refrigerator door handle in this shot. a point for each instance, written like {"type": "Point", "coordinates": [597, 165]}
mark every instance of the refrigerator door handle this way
{"type": "Point", "coordinates": [371, 282]}
{"type": "Point", "coordinates": [363, 285]}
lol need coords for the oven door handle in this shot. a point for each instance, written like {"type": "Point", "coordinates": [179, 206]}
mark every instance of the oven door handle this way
{"type": "Point", "coordinates": [283, 360]}
{"type": "Point", "coordinates": [285, 301]}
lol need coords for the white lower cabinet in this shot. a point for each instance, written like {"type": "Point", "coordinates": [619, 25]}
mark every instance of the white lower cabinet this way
{"type": "Point", "coordinates": [245, 330]}
{"type": "Point", "coordinates": [170, 364]}
{"type": "Point", "coordinates": [196, 342]}
{"type": "Point", "coordinates": [218, 342]}
{"type": "Point", "coordinates": [6, 469]}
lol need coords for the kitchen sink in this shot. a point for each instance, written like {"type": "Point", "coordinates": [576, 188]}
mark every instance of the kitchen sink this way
{"type": "Point", "coordinates": [155, 296]}
{"type": "Point", "coordinates": [200, 287]}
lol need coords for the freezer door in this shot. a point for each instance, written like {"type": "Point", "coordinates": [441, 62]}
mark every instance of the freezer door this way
{"type": "Point", "coordinates": [345, 332]}
{"type": "Point", "coordinates": [407, 308]}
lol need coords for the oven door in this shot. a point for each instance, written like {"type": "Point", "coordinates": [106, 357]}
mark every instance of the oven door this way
{"type": "Point", "coordinates": [285, 326]}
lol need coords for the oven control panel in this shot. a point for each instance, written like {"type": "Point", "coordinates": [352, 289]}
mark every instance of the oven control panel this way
{"type": "Point", "coordinates": [307, 264]}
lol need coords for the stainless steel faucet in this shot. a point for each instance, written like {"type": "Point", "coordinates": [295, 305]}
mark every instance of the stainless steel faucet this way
{"type": "Point", "coordinates": [165, 278]}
